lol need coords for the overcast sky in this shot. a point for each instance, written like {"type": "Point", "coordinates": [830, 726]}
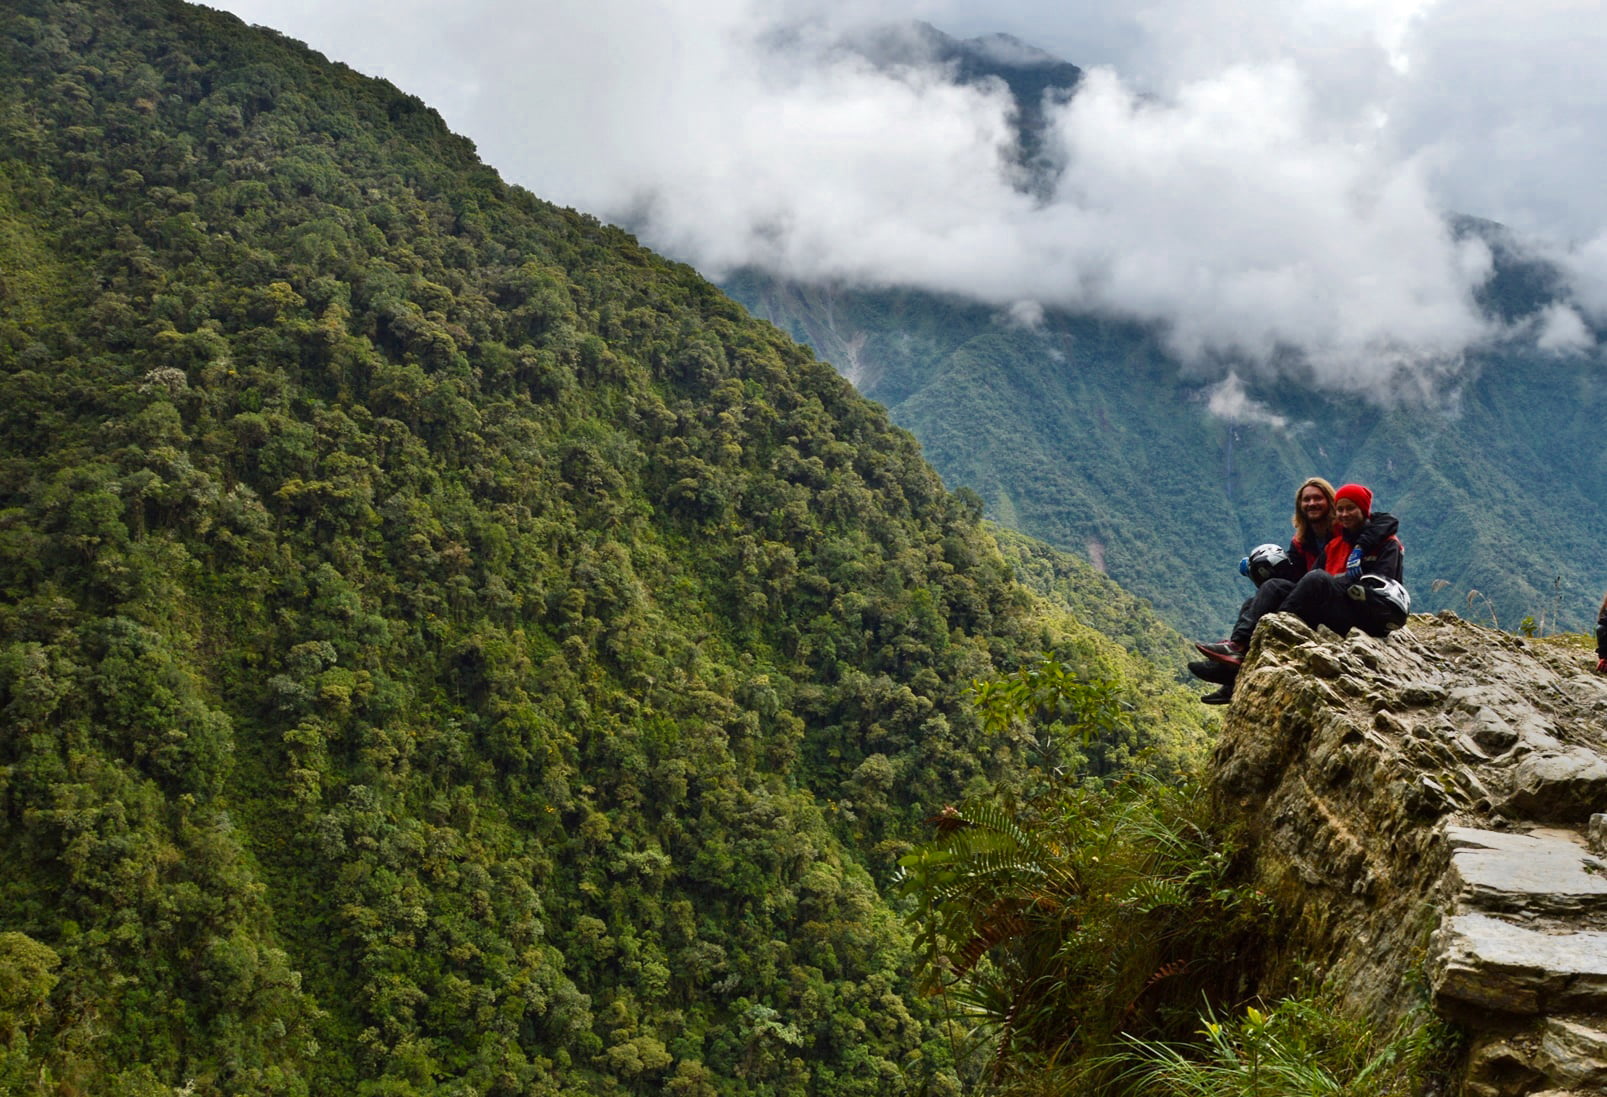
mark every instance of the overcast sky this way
{"type": "Point", "coordinates": [1254, 175]}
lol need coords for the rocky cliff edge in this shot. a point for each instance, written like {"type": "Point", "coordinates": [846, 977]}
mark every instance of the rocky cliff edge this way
{"type": "Point", "coordinates": [1428, 813]}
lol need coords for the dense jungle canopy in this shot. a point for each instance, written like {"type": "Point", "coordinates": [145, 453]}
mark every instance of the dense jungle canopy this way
{"type": "Point", "coordinates": [445, 647]}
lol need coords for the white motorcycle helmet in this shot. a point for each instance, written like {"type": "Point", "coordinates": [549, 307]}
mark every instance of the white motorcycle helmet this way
{"type": "Point", "coordinates": [1267, 561]}
{"type": "Point", "coordinates": [1388, 596]}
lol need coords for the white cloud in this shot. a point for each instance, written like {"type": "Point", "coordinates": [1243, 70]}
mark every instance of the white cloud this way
{"type": "Point", "coordinates": [1264, 180]}
{"type": "Point", "coordinates": [1228, 400]}
{"type": "Point", "coordinates": [1563, 332]}
{"type": "Point", "coordinates": [1586, 268]}
{"type": "Point", "coordinates": [1221, 216]}
{"type": "Point", "coordinates": [1508, 101]}
{"type": "Point", "coordinates": [1026, 314]}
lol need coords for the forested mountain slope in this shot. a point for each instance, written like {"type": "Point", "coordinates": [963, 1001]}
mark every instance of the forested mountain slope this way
{"type": "Point", "coordinates": [1084, 432]}
{"type": "Point", "coordinates": [444, 647]}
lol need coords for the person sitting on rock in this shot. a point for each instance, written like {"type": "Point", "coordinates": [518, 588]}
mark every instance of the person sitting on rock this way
{"type": "Point", "coordinates": [1601, 638]}
{"type": "Point", "coordinates": [1359, 587]}
{"type": "Point", "coordinates": [1315, 529]}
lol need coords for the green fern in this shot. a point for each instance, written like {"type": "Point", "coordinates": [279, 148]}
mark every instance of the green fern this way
{"type": "Point", "coordinates": [1048, 925]}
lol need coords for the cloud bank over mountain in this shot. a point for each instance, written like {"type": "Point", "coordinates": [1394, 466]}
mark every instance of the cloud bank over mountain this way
{"type": "Point", "coordinates": [1267, 182]}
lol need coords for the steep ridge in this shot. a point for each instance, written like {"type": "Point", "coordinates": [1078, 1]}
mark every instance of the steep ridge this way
{"type": "Point", "coordinates": [1427, 810]}
{"type": "Point", "coordinates": [444, 646]}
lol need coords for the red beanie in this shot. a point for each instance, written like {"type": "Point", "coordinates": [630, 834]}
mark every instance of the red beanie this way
{"type": "Point", "coordinates": [1358, 495]}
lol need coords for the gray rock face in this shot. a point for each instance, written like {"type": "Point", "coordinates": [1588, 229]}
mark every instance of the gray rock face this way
{"type": "Point", "coordinates": [1480, 963]}
{"type": "Point", "coordinates": [1430, 810]}
{"type": "Point", "coordinates": [1562, 785]}
{"type": "Point", "coordinates": [1541, 872]}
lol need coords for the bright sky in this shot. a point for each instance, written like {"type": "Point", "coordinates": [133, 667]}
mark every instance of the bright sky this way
{"type": "Point", "coordinates": [1258, 176]}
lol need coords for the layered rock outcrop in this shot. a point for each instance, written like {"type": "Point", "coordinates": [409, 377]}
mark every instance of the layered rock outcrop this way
{"type": "Point", "coordinates": [1428, 810]}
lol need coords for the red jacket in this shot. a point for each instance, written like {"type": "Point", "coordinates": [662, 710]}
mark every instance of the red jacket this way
{"type": "Point", "coordinates": [1379, 527]}
{"type": "Point", "coordinates": [1382, 559]}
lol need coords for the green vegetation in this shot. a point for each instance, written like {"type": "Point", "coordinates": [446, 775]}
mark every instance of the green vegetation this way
{"type": "Point", "coordinates": [1052, 926]}
{"type": "Point", "coordinates": [1300, 1048]}
{"type": "Point", "coordinates": [1063, 911]}
{"type": "Point", "coordinates": [444, 647]}
{"type": "Point", "coordinates": [1073, 930]}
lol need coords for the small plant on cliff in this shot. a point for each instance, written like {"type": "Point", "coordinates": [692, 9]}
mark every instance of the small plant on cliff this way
{"type": "Point", "coordinates": [1300, 1048]}
{"type": "Point", "coordinates": [1475, 599]}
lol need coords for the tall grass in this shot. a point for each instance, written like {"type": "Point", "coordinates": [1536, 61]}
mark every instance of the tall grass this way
{"type": "Point", "coordinates": [1299, 1048]}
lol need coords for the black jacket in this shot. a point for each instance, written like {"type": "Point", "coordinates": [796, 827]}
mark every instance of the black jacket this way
{"type": "Point", "coordinates": [1386, 556]}
{"type": "Point", "coordinates": [1378, 528]}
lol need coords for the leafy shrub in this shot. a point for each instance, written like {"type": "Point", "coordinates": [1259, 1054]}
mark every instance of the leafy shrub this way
{"type": "Point", "coordinates": [1049, 927]}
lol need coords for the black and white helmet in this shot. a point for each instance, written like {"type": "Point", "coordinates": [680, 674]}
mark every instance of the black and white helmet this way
{"type": "Point", "coordinates": [1267, 561]}
{"type": "Point", "coordinates": [1388, 597]}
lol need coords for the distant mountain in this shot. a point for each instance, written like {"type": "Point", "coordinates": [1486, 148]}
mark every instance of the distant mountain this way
{"type": "Point", "coordinates": [446, 648]}
{"type": "Point", "coordinates": [1032, 76]}
{"type": "Point", "coordinates": [1085, 432]}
